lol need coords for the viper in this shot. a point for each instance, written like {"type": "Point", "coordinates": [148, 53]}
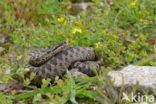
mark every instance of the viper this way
{"type": "Point", "coordinates": [54, 60]}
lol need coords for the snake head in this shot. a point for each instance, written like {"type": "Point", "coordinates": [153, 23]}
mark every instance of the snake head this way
{"type": "Point", "coordinates": [58, 46]}
{"type": "Point", "coordinates": [41, 56]}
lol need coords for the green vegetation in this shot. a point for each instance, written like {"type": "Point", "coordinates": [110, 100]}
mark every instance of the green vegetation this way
{"type": "Point", "coordinates": [119, 32]}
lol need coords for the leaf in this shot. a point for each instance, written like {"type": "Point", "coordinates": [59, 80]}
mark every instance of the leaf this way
{"type": "Point", "coordinates": [25, 95]}
{"type": "Point", "coordinates": [4, 99]}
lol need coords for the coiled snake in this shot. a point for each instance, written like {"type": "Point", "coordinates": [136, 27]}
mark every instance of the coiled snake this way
{"type": "Point", "coordinates": [53, 61]}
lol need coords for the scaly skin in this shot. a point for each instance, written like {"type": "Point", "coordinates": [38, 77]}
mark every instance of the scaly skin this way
{"type": "Point", "coordinates": [41, 56]}
{"type": "Point", "coordinates": [80, 57]}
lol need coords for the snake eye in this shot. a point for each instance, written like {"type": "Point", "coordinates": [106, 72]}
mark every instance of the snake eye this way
{"type": "Point", "coordinates": [48, 52]}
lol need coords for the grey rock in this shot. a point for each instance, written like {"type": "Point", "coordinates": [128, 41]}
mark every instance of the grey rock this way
{"type": "Point", "coordinates": [79, 1]}
{"type": "Point", "coordinates": [3, 39]}
{"type": "Point", "coordinates": [130, 76]}
{"type": "Point", "coordinates": [80, 7]}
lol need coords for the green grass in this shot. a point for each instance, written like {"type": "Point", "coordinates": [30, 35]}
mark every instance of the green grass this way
{"type": "Point", "coordinates": [119, 33]}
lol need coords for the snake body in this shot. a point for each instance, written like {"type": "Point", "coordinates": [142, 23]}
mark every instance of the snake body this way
{"type": "Point", "coordinates": [58, 60]}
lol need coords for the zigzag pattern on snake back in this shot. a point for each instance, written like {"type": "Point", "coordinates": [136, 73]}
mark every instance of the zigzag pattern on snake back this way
{"type": "Point", "coordinates": [81, 57]}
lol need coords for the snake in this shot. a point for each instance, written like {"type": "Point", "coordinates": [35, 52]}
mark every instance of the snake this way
{"type": "Point", "coordinates": [55, 60]}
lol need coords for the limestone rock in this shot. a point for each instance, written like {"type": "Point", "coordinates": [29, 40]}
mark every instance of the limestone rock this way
{"type": "Point", "coordinates": [80, 7]}
{"type": "Point", "coordinates": [144, 76]}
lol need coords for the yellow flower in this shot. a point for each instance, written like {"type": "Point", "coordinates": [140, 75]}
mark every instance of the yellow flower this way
{"type": "Point", "coordinates": [19, 57]}
{"type": "Point", "coordinates": [60, 20]}
{"type": "Point", "coordinates": [98, 45]}
{"type": "Point", "coordinates": [76, 30]}
{"type": "Point", "coordinates": [134, 2]}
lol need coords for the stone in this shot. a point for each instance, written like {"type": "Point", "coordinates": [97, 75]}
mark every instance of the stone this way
{"type": "Point", "coordinates": [80, 7]}
{"type": "Point", "coordinates": [2, 50]}
{"type": "Point", "coordinates": [79, 1]}
{"type": "Point", "coordinates": [130, 76]}
{"type": "Point", "coordinates": [4, 39]}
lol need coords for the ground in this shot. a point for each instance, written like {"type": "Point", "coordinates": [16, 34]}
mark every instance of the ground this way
{"type": "Point", "coordinates": [122, 33]}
